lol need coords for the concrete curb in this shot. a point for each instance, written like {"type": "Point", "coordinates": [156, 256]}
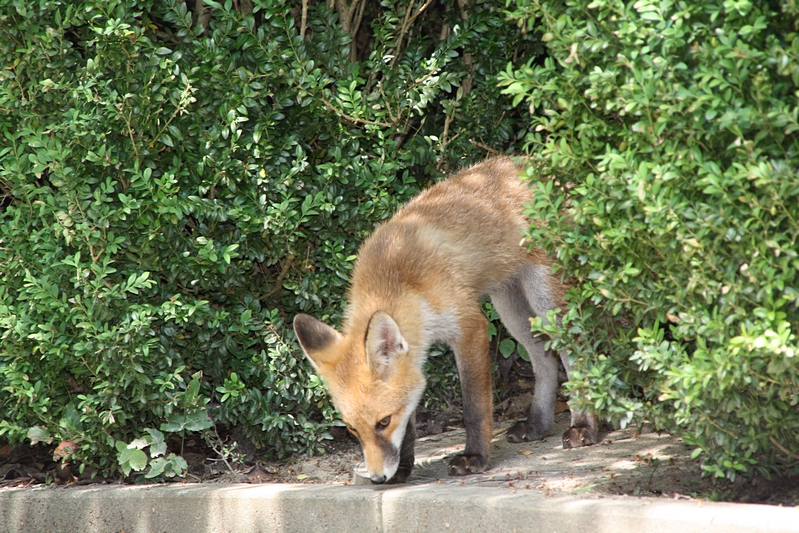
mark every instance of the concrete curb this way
{"type": "Point", "coordinates": [308, 508]}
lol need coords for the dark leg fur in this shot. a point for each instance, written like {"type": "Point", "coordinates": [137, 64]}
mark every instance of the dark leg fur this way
{"type": "Point", "coordinates": [583, 431]}
{"type": "Point", "coordinates": [515, 310]}
{"type": "Point", "coordinates": [406, 453]}
{"type": "Point", "coordinates": [463, 464]}
{"type": "Point", "coordinates": [529, 295]}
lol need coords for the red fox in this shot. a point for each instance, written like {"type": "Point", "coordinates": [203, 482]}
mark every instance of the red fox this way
{"type": "Point", "coordinates": [418, 280]}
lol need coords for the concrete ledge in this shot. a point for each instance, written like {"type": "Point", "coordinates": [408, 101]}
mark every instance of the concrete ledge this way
{"type": "Point", "coordinates": [307, 508]}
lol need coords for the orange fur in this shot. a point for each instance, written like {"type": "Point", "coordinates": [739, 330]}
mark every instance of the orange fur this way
{"type": "Point", "coordinates": [418, 280]}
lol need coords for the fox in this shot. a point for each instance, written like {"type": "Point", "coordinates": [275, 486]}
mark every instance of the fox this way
{"type": "Point", "coordinates": [419, 279]}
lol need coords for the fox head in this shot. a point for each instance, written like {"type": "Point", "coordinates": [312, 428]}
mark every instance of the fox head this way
{"type": "Point", "coordinates": [374, 381]}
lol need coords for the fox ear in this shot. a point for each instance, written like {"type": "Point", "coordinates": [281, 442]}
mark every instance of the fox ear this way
{"type": "Point", "coordinates": [316, 339]}
{"type": "Point", "coordinates": [384, 343]}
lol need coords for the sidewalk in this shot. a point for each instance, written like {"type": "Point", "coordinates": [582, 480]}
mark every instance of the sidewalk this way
{"type": "Point", "coordinates": [422, 508]}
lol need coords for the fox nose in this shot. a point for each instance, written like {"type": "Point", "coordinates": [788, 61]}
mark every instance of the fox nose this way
{"type": "Point", "coordinates": [378, 478]}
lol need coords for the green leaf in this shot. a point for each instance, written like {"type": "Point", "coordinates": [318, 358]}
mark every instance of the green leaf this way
{"type": "Point", "coordinates": [38, 434]}
{"type": "Point", "coordinates": [178, 465]}
{"type": "Point", "coordinates": [139, 443]}
{"type": "Point", "coordinates": [191, 396]}
{"type": "Point", "coordinates": [156, 468]}
{"type": "Point", "coordinates": [507, 347]}
{"type": "Point", "coordinates": [137, 460]}
{"type": "Point", "coordinates": [157, 443]}
{"type": "Point", "coordinates": [175, 423]}
{"type": "Point", "coordinates": [522, 352]}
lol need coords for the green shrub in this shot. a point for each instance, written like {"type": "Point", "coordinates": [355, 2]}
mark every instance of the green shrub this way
{"type": "Point", "coordinates": [175, 186]}
{"type": "Point", "coordinates": [669, 132]}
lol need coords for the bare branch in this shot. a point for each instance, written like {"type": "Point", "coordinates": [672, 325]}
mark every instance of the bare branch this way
{"type": "Point", "coordinates": [406, 25]}
{"type": "Point", "coordinates": [203, 15]}
{"type": "Point", "coordinates": [280, 277]}
{"type": "Point", "coordinates": [304, 22]}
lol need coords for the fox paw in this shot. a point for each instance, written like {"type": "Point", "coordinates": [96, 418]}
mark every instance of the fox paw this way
{"type": "Point", "coordinates": [577, 437]}
{"type": "Point", "coordinates": [521, 431]}
{"type": "Point", "coordinates": [462, 465]}
{"type": "Point", "coordinates": [403, 472]}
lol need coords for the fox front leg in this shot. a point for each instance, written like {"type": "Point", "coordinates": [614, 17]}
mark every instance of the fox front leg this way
{"type": "Point", "coordinates": [474, 368]}
{"type": "Point", "coordinates": [406, 453]}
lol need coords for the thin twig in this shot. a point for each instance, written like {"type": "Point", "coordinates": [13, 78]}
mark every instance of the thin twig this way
{"type": "Point", "coordinates": [406, 24]}
{"type": "Point", "coordinates": [178, 111]}
{"type": "Point", "coordinates": [304, 22]}
{"type": "Point", "coordinates": [420, 11]}
{"type": "Point", "coordinates": [782, 448]}
{"type": "Point", "coordinates": [355, 27]}
{"type": "Point", "coordinates": [354, 119]}
{"type": "Point", "coordinates": [484, 147]}
{"type": "Point", "coordinates": [466, 83]}
{"type": "Point", "coordinates": [401, 36]}
{"type": "Point", "coordinates": [281, 276]}
{"type": "Point", "coordinates": [130, 134]}
{"type": "Point", "coordinates": [221, 452]}
{"type": "Point", "coordinates": [447, 122]}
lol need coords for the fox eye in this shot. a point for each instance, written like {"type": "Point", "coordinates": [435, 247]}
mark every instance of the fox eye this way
{"type": "Point", "coordinates": [351, 429]}
{"type": "Point", "coordinates": [384, 423]}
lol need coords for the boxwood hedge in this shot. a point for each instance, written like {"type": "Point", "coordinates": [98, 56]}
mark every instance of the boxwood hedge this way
{"type": "Point", "coordinates": [179, 178]}
{"type": "Point", "coordinates": [669, 132]}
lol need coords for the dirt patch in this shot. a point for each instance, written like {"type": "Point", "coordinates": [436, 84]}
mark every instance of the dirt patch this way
{"type": "Point", "coordinates": [625, 462]}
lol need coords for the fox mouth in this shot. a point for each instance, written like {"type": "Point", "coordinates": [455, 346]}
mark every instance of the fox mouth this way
{"type": "Point", "coordinates": [389, 464]}
{"type": "Point", "coordinates": [361, 476]}
{"type": "Point", "coordinates": [396, 461]}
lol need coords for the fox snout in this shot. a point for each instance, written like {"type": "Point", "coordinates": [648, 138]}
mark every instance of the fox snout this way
{"type": "Point", "coordinates": [385, 475]}
{"type": "Point", "coordinates": [382, 456]}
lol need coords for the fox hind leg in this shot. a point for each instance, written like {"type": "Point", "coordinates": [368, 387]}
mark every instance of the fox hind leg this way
{"type": "Point", "coordinates": [530, 294]}
{"type": "Point", "coordinates": [515, 311]}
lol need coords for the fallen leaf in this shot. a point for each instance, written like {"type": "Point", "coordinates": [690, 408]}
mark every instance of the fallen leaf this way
{"type": "Point", "coordinates": [65, 449]}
